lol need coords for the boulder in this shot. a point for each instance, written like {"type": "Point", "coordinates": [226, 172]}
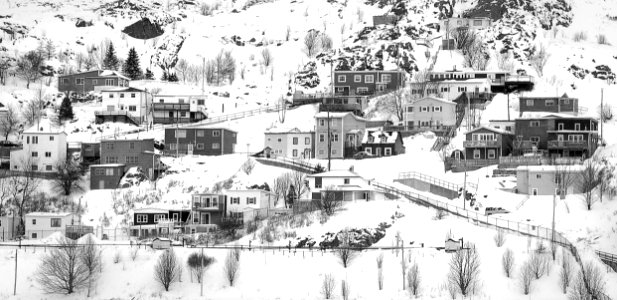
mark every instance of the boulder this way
{"type": "Point", "coordinates": [82, 23]}
{"type": "Point", "coordinates": [143, 29]}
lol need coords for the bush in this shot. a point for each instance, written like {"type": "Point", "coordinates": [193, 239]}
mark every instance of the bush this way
{"type": "Point", "coordinates": [580, 36]}
{"type": "Point", "coordinates": [507, 262]}
{"type": "Point", "coordinates": [134, 252]}
{"type": "Point", "coordinates": [525, 277]}
{"type": "Point", "coordinates": [232, 264]}
{"type": "Point", "coordinates": [602, 40]}
{"type": "Point", "coordinates": [117, 257]}
{"type": "Point", "coordinates": [345, 290]}
{"type": "Point", "coordinates": [198, 263]}
{"type": "Point", "coordinates": [248, 166]}
{"type": "Point", "coordinates": [344, 251]}
{"type": "Point", "coordinates": [465, 270]}
{"type": "Point", "coordinates": [167, 269]}
{"type": "Point", "coordinates": [413, 279]}
{"type": "Point", "coordinates": [537, 264]}
{"type": "Point", "coordinates": [380, 271]}
{"type": "Point", "coordinates": [565, 273]}
{"type": "Point", "coordinates": [327, 286]}
{"type": "Point", "coordinates": [440, 214]}
{"type": "Point", "coordinates": [500, 238]}
{"type": "Point", "coordinates": [588, 284]}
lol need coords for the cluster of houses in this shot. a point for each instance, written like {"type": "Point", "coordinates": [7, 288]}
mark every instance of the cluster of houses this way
{"type": "Point", "coordinates": [39, 225]}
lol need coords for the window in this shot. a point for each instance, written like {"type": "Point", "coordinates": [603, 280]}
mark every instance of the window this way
{"type": "Point", "coordinates": [369, 78]}
{"type": "Point", "coordinates": [279, 140]}
{"type": "Point", "coordinates": [549, 102]}
{"type": "Point", "coordinates": [575, 138]}
{"type": "Point", "coordinates": [444, 89]}
{"type": "Point", "coordinates": [216, 146]}
{"type": "Point", "coordinates": [35, 139]}
{"type": "Point", "coordinates": [251, 200]}
{"type": "Point", "coordinates": [538, 176]}
{"type": "Point", "coordinates": [462, 89]}
{"type": "Point", "coordinates": [535, 139]}
{"type": "Point", "coordinates": [56, 222]}
{"type": "Point", "coordinates": [295, 153]}
{"type": "Point", "coordinates": [51, 138]}
{"type": "Point", "coordinates": [34, 235]}
{"type": "Point", "coordinates": [322, 137]}
{"type": "Point", "coordinates": [437, 108]}
{"type": "Point", "coordinates": [560, 126]}
{"type": "Point", "coordinates": [345, 180]}
{"type": "Point", "coordinates": [477, 22]}
{"type": "Point", "coordinates": [111, 160]}
{"type": "Point", "coordinates": [49, 168]}
{"type": "Point", "coordinates": [534, 124]}
{"type": "Point", "coordinates": [79, 81]}
{"type": "Point", "coordinates": [424, 108]}
{"type": "Point", "coordinates": [321, 152]}
{"type": "Point", "coordinates": [216, 133]}
{"type": "Point", "coordinates": [307, 141]}
{"type": "Point", "coordinates": [234, 200]}
{"type": "Point", "coordinates": [577, 126]}
{"type": "Point", "coordinates": [109, 146]}
{"type": "Point", "coordinates": [161, 101]}
{"type": "Point", "coordinates": [341, 78]}
{"type": "Point", "coordinates": [333, 151]}
{"type": "Point", "coordinates": [386, 78]}
{"type": "Point", "coordinates": [201, 102]}
{"type": "Point", "coordinates": [132, 95]}
{"type": "Point", "coordinates": [121, 95]}
{"type": "Point", "coordinates": [476, 154]}
{"type": "Point", "coordinates": [35, 154]}
{"type": "Point", "coordinates": [132, 159]}
{"type": "Point", "coordinates": [108, 171]}
{"type": "Point", "coordinates": [65, 80]}
{"type": "Point", "coordinates": [200, 133]}
{"type": "Point", "coordinates": [410, 109]}
{"type": "Point", "coordinates": [529, 102]}
{"type": "Point", "coordinates": [362, 90]}
{"type": "Point", "coordinates": [47, 154]}
{"type": "Point", "coordinates": [322, 122]}
{"type": "Point", "coordinates": [483, 137]}
{"type": "Point", "coordinates": [181, 101]}
{"type": "Point", "coordinates": [111, 96]}
{"type": "Point", "coordinates": [109, 82]}
{"type": "Point", "coordinates": [387, 151]}
{"type": "Point", "coordinates": [132, 108]}
{"type": "Point", "coordinates": [508, 128]}
{"type": "Point", "coordinates": [565, 101]}
{"type": "Point", "coordinates": [295, 141]}
{"type": "Point", "coordinates": [200, 146]}
{"type": "Point", "coordinates": [357, 78]}
{"type": "Point", "coordinates": [33, 221]}
{"type": "Point", "coordinates": [141, 218]}
{"type": "Point", "coordinates": [491, 154]}
{"type": "Point", "coordinates": [180, 133]}
{"type": "Point", "coordinates": [368, 150]}
{"type": "Point", "coordinates": [183, 114]}
{"type": "Point", "coordinates": [335, 137]}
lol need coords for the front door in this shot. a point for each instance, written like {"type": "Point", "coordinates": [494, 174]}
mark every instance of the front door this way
{"type": "Point", "coordinates": [307, 153]}
{"type": "Point", "coordinates": [377, 151]}
{"type": "Point", "coordinates": [190, 149]}
{"type": "Point", "coordinates": [205, 218]}
{"type": "Point", "coordinates": [101, 184]}
{"type": "Point", "coordinates": [457, 155]}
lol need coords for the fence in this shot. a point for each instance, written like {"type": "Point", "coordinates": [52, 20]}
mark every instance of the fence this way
{"type": "Point", "coordinates": [288, 163]}
{"type": "Point", "coordinates": [435, 180]}
{"type": "Point", "coordinates": [608, 258]}
{"type": "Point", "coordinates": [515, 161]}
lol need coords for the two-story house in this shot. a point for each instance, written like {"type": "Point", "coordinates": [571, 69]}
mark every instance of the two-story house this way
{"type": "Point", "coordinates": [367, 82]}
{"type": "Point", "coordinates": [158, 221]}
{"type": "Point", "coordinates": [556, 135]}
{"type": "Point", "coordinates": [247, 205]}
{"type": "Point", "coordinates": [452, 89]}
{"type": "Point", "coordinates": [290, 143]}
{"type": "Point", "coordinates": [379, 142]}
{"type": "Point", "coordinates": [562, 105]}
{"type": "Point", "coordinates": [344, 185]}
{"type": "Point", "coordinates": [486, 143]}
{"type": "Point", "coordinates": [127, 104]}
{"type": "Point", "coordinates": [207, 212]}
{"type": "Point", "coordinates": [345, 130]}
{"type": "Point", "coordinates": [40, 225]}
{"type": "Point", "coordinates": [200, 141]}
{"type": "Point", "coordinates": [545, 179]}
{"type": "Point", "coordinates": [44, 146]}
{"type": "Point", "coordinates": [430, 113]}
{"type": "Point", "coordinates": [131, 153]}
{"type": "Point", "coordinates": [106, 176]}
{"type": "Point", "coordinates": [171, 109]}
{"type": "Point", "coordinates": [91, 81]}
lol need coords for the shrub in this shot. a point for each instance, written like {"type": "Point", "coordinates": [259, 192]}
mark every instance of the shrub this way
{"type": "Point", "coordinates": [198, 263]}
{"type": "Point", "coordinates": [565, 273]}
{"type": "Point", "coordinates": [345, 290]}
{"type": "Point", "coordinates": [62, 270]}
{"type": "Point", "coordinates": [413, 279]}
{"type": "Point", "coordinates": [465, 269]}
{"type": "Point", "coordinates": [537, 263]}
{"type": "Point", "coordinates": [231, 267]}
{"type": "Point", "coordinates": [500, 238]}
{"type": "Point", "coordinates": [440, 214]}
{"type": "Point", "coordinates": [507, 262]}
{"type": "Point", "coordinates": [327, 286]}
{"type": "Point", "coordinates": [580, 36]}
{"type": "Point", "coordinates": [345, 251]}
{"type": "Point", "coordinates": [525, 277]}
{"type": "Point", "coordinates": [134, 252]}
{"type": "Point", "coordinates": [167, 269]}
{"type": "Point", "coordinates": [602, 40]}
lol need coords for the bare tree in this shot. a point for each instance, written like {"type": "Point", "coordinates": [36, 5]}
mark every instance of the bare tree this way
{"type": "Point", "coordinates": [23, 188]}
{"type": "Point", "coordinates": [167, 269]}
{"type": "Point", "coordinates": [198, 263]}
{"type": "Point", "coordinates": [421, 84]}
{"type": "Point", "coordinates": [565, 272]}
{"type": "Point", "coordinates": [32, 111]}
{"type": "Point", "coordinates": [589, 180]}
{"type": "Point", "coordinates": [525, 278]}
{"type": "Point", "coordinates": [345, 290]}
{"type": "Point", "coordinates": [593, 281]}
{"type": "Point", "coordinates": [231, 267]}
{"type": "Point", "coordinates": [504, 62]}
{"type": "Point", "coordinates": [62, 271]}
{"type": "Point", "coordinates": [538, 58]}
{"type": "Point", "coordinates": [565, 177]}
{"type": "Point", "coordinates": [68, 176]}
{"type": "Point", "coordinates": [325, 41]}
{"type": "Point", "coordinates": [537, 264]}
{"type": "Point", "coordinates": [380, 271]}
{"type": "Point", "coordinates": [266, 57]}
{"type": "Point", "coordinates": [395, 104]}
{"type": "Point", "coordinates": [475, 56]}
{"type": "Point", "coordinates": [463, 37]}
{"type": "Point", "coordinates": [6, 63]}
{"type": "Point", "coordinates": [465, 269]}
{"type": "Point", "coordinates": [5, 190]}
{"type": "Point", "coordinates": [29, 67]}
{"type": "Point", "coordinates": [345, 252]}
{"type": "Point", "coordinates": [182, 68]}
{"type": "Point", "coordinates": [414, 279]}
{"type": "Point", "coordinates": [287, 33]}
{"type": "Point", "coordinates": [133, 253]}
{"type": "Point", "coordinates": [329, 204]}
{"type": "Point", "coordinates": [311, 43]}
{"type": "Point", "coordinates": [90, 258]}
{"type": "Point", "coordinates": [280, 187]}
{"type": "Point", "coordinates": [500, 238]}
{"type": "Point", "coordinates": [507, 262]}
{"type": "Point", "coordinates": [10, 122]}
{"type": "Point", "coordinates": [327, 286]}
{"type": "Point", "coordinates": [298, 180]}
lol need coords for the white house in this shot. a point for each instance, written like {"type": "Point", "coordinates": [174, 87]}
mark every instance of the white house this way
{"type": "Point", "coordinates": [248, 204]}
{"type": "Point", "coordinates": [451, 89]}
{"type": "Point", "coordinates": [169, 109]}
{"type": "Point", "coordinates": [344, 184]}
{"type": "Point", "coordinates": [126, 101]}
{"type": "Point", "coordinates": [43, 224]}
{"type": "Point", "coordinates": [430, 113]}
{"type": "Point", "coordinates": [8, 227]}
{"type": "Point", "coordinates": [471, 23]}
{"type": "Point", "coordinates": [290, 143]}
{"type": "Point", "coordinates": [44, 145]}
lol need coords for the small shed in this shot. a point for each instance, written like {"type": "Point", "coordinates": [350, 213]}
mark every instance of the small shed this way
{"type": "Point", "coordinates": [161, 243]}
{"type": "Point", "coordinates": [452, 245]}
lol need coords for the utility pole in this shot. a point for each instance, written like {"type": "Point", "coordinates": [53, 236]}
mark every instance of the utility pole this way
{"type": "Point", "coordinates": [203, 72]}
{"type": "Point", "coordinates": [177, 136]}
{"type": "Point", "coordinates": [601, 116]}
{"type": "Point", "coordinates": [553, 226]}
{"type": "Point", "coordinates": [328, 119]}
{"type": "Point", "coordinates": [403, 261]}
{"type": "Point", "coordinates": [201, 270]}
{"type": "Point", "coordinates": [465, 183]}
{"type": "Point", "coordinates": [15, 281]}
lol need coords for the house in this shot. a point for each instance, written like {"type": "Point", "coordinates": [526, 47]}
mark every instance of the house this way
{"type": "Point", "coordinates": [430, 113]}
{"type": "Point", "coordinates": [291, 143]}
{"type": "Point", "coordinates": [44, 146]}
{"type": "Point", "coordinates": [500, 81]}
{"type": "Point", "coordinates": [379, 142]}
{"type": "Point", "coordinates": [342, 185]}
{"type": "Point", "coordinates": [450, 89]}
{"type": "Point", "coordinates": [8, 227]}
{"type": "Point", "coordinates": [153, 221]}
{"type": "Point", "coordinates": [452, 245]}
{"type": "Point", "coordinates": [505, 125]}
{"type": "Point", "coordinates": [207, 212]}
{"type": "Point", "coordinates": [131, 153]}
{"type": "Point", "coordinates": [126, 104]}
{"type": "Point", "coordinates": [367, 82]}
{"type": "Point", "coordinates": [387, 19]}
{"type": "Point", "coordinates": [160, 243]}
{"type": "Point", "coordinates": [171, 109]}
{"type": "Point", "coordinates": [471, 23]}
{"type": "Point", "coordinates": [563, 104]}
{"type": "Point", "coordinates": [106, 176]}
{"type": "Point", "coordinates": [91, 81]}
{"type": "Point", "coordinates": [43, 224]}
{"type": "Point", "coordinates": [247, 205]}
{"type": "Point", "coordinates": [355, 104]}
{"type": "Point", "coordinates": [556, 135]}
{"type": "Point", "coordinates": [545, 179]}
{"type": "Point", "coordinates": [200, 141]}
{"type": "Point", "coordinates": [346, 132]}
{"type": "Point", "coordinates": [90, 152]}
{"type": "Point", "coordinates": [486, 143]}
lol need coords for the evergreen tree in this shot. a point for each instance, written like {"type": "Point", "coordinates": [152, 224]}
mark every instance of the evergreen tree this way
{"type": "Point", "coordinates": [111, 60]}
{"type": "Point", "coordinates": [66, 109]}
{"type": "Point", "coordinates": [291, 195]}
{"type": "Point", "coordinates": [149, 75]}
{"type": "Point", "coordinates": [131, 67]}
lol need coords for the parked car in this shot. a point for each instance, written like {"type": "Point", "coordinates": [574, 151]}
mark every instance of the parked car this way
{"type": "Point", "coordinates": [495, 210]}
{"type": "Point", "coordinates": [362, 155]}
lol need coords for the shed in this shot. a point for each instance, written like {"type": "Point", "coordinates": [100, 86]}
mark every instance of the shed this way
{"type": "Point", "coordinates": [452, 245]}
{"type": "Point", "coordinates": [161, 243]}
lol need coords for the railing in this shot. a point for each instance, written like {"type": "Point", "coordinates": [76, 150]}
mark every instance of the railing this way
{"type": "Point", "coordinates": [608, 258]}
{"type": "Point", "coordinates": [513, 78]}
{"type": "Point", "coordinates": [199, 207]}
{"type": "Point", "coordinates": [340, 107]}
{"type": "Point", "coordinates": [171, 106]}
{"type": "Point", "coordinates": [484, 144]}
{"type": "Point", "coordinates": [471, 163]}
{"type": "Point", "coordinates": [567, 144]}
{"type": "Point", "coordinates": [434, 180]}
{"type": "Point", "coordinates": [284, 162]}
{"type": "Point", "coordinates": [118, 113]}
{"type": "Point", "coordinates": [524, 144]}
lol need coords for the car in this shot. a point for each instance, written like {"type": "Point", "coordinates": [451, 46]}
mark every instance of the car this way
{"type": "Point", "coordinates": [362, 155]}
{"type": "Point", "coordinates": [495, 210]}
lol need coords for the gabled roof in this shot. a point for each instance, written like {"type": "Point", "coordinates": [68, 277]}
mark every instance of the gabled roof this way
{"type": "Point", "coordinates": [338, 115]}
{"type": "Point", "coordinates": [490, 129]}
{"type": "Point", "coordinates": [48, 214]}
{"type": "Point", "coordinates": [106, 73]}
{"type": "Point", "coordinates": [431, 98]}
{"type": "Point", "coordinates": [336, 173]}
{"type": "Point", "coordinates": [44, 126]}
{"type": "Point", "coordinates": [283, 129]}
{"type": "Point", "coordinates": [121, 89]}
{"type": "Point", "coordinates": [377, 134]}
{"type": "Point", "coordinates": [531, 115]}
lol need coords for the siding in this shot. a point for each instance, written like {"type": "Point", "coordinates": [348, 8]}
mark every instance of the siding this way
{"type": "Point", "coordinates": [226, 141]}
{"type": "Point", "coordinates": [122, 149]}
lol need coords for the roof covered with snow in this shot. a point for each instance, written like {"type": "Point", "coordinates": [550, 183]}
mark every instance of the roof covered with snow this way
{"type": "Point", "coordinates": [551, 168]}
{"type": "Point", "coordinates": [490, 129]}
{"type": "Point", "coordinates": [48, 214]}
{"type": "Point", "coordinates": [335, 173]}
{"type": "Point", "coordinates": [280, 128]}
{"type": "Point", "coordinates": [121, 89]}
{"type": "Point", "coordinates": [112, 73]}
{"type": "Point", "coordinates": [337, 115]}
{"type": "Point", "coordinates": [430, 98]}
{"type": "Point", "coordinates": [377, 134]}
{"type": "Point", "coordinates": [530, 115]}
{"type": "Point", "coordinates": [44, 126]}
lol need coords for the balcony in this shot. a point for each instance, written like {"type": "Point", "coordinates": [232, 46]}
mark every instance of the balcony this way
{"type": "Point", "coordinates": [567, 144]}
{"type": "Point", "coordinates": [198, 206]}
{"type": "Point", "coordinates": [524, 144]}
{"type": "Point", "coordinates": [481, 144]}
{"type": "Point", "coordinates": [340, 107]}
{"type": "Point", "coordinates": [106, 115]}
{"type": "Point", "coordinates": [171, 106]}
